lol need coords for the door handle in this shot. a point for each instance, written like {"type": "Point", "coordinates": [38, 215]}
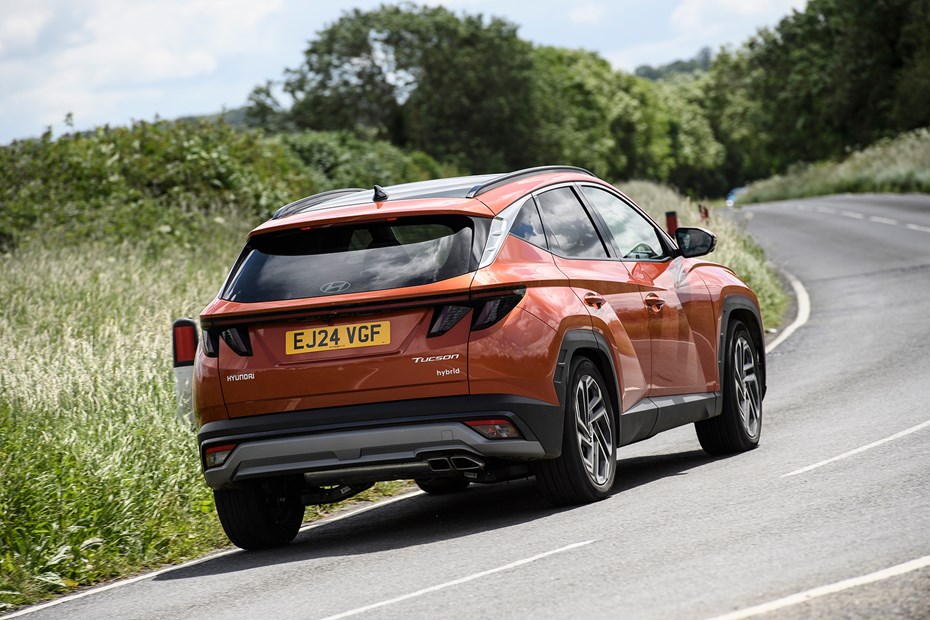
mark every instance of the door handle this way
{"type": "Point", "coordinates": [654, 302]}
{"type": "Point", "coordinates": [593, 299]}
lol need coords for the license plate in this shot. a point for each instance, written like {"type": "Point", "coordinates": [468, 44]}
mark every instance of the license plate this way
{"type": "Point", "coordinates": [337, 337]}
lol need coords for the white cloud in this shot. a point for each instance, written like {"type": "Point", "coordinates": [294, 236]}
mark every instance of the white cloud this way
{"type": "Point", "coordinates": [105, 54]}
{"type": "Point", "coordinates": [20, 28]}
{"type": "Point", "coordinates": [712, 14]}
{"type": "Point", "coordinates": [587, 14]}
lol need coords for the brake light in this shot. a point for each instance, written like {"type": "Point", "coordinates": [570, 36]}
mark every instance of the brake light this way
{"type": "Point", "coordinates": [490, 311]}
{"type": "Point", "coordinates": [211, 343]}
{"type": "Point", "coordinates": [214, 456]}
{"type": "Point", "coordinates": [494, 429]}
{"type": "Point", "coordinates": [445, 318]}
{"type": "Point", "coordinates": [238, 340]}
{"type": "Point", "coordinates": [184, 341]}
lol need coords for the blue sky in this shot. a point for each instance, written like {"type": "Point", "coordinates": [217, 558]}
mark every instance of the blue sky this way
{"type": "Point", "coordinates": [112, 61]}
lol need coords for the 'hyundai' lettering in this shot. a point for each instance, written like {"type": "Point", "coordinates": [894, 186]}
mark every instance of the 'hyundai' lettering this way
{"type": "Point", "coordinates": [242, 376]}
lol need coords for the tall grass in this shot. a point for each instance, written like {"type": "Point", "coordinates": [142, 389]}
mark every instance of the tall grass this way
{"type": "Point", "coordinates": [901, 164]}
{"type": "Point", "coordinates": [97, 477]}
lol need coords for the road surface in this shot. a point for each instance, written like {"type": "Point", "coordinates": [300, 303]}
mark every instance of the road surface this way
{"type": "Point", "coordinates": [685, 535]}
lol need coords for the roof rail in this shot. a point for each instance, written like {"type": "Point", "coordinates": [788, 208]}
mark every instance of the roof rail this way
{"type": "Point", "coordinates": [312, 201]}
{"type": "Point", "coordinates": [494, 183]}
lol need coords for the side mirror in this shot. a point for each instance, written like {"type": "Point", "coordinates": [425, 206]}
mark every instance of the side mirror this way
{"type": "Point", "coordinates": [695, 241]}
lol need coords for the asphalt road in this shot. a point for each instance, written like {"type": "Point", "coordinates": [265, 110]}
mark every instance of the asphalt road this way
{"type": "Point", "coordinates": [685, 535]}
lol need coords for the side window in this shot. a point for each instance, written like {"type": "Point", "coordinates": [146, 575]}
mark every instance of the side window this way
{"type": "Point", "coordinates": [569, 229]}
{"type": "Point", "coordinates": [635, 237]}
{"type": "Point", "coordinates": [528, 226]}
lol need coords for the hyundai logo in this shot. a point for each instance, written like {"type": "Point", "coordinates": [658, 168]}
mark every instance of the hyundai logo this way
{"type": "Point", "coordinates": [335, 287]}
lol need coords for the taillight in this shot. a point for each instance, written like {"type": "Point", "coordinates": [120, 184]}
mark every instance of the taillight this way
{"type": "Point", "coordinates": [494, 429]}
{"type": "Point", "coordinates": [238, 340]}
{"type": "Point", "coordinates": [214, 456]}
{"type": "Point", "coordinates": [211, 343]}
{"type": "Point", "coordinates": [490, 311]}
{"type": "Point", "coordinates": [184, 341]}
{"type": "Point", "coordinates": [445, 318]}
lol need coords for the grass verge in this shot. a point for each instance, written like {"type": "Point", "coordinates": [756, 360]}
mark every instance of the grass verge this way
{"type": "Point", "coordinates": [901, 164]}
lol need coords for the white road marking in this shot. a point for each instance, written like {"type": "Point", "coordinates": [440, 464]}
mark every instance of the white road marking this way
{"type": "Point", "coordinates": [883, 220]}
{"type": "Point", "coordinates": [803, 207]}
{"type": "Point", "coordinates": [803, 597]}
{"type": "Point", "coordinates": [919, 228]}
{"type": "Point", "coordinates": [825, 210]}
{"type": "Point", "coordinates": [201, 560]}
{"type": "Point", "coordinates": [874, 444]}
{"type": "Point", "coordinates": [852, 214]}
{"type": "Point", "coordinates": [804, 312]}
{"type": "Point", "coordinates": [455, 582]}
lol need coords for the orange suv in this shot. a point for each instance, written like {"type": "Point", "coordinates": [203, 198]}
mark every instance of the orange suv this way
{"type": "Point", "coordinates": [466, 330]}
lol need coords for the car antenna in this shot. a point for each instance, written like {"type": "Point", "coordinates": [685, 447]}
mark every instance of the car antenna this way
{"type": "Point", "coordinates": [380, 194]}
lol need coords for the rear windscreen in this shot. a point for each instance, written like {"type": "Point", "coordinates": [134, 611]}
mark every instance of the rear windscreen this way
{"type": "Point", "coordinates": [369, 256]}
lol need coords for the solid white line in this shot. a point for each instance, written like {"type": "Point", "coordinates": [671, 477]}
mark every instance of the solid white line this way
{"type": "Point", "coordinates": [804, 312]}
{"type": "Point", "coordinates": [803, 597]}
{"type": "Point", "coordinates": [906, 431]}
{"type": "Point", "coordinates": [918, 227]}
{"type": "Point", "coordinates": [852, 214]}
{"type": "Point", "coordinates": [195, 562]}
{"type": "Point", "coordinates": [455, 582]}
{"type": "Point", "coordinates": [884, 220]}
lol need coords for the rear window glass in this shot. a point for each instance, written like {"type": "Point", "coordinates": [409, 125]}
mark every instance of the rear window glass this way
{"type": "Point", "coordinates": [370, 256]}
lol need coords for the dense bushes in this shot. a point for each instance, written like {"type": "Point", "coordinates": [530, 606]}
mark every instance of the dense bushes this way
{"type": "Point", "coordinates": [154, 182]}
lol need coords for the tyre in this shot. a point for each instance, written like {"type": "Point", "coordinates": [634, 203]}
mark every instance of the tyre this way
{"type": "Point", "coordinates": [586, 469]}
{"type": "Point", "coordinates": [442, 486]}
{"type": "Point", "coordinates": [739, 426]}
{"type": "Point", "coordinates": [254, 518]}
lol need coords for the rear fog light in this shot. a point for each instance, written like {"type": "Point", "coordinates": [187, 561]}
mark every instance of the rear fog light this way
{"type": "Point", "coordinates": [214, 456]}
{"type": "Point", "coordinates": [494, 429]}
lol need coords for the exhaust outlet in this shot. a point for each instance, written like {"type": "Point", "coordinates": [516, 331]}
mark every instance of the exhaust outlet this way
{"type": "Point", "coordinates": [466, 463]}
{"type": "Point", "coordinates": [439, 464]}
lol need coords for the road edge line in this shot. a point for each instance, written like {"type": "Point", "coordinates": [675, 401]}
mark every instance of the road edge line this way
{"type": "Point", "coordinates": [194, 562]}
{"type": "Point", "coordinates": [833, 588]}
{"type": "Point", "coordinates": [803, 314]}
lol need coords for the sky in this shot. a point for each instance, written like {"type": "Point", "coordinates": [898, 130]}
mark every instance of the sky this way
{"type": "Point", "coordinates": [115, 61]}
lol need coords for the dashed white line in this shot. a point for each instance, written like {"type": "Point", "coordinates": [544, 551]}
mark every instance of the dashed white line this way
{"type": "Point", "coordinates": [917, 227]}
{"type": "Point", "coordinates": [455, 582]}
{"type": "Point", "coordinates": [825, 210]}
{"type": "Point", "coordinates": [839, 586]}
{"type": "Point", "coordinates": [852, 214]}
{"type": "Point", "coordinates": [874, 444]}
{"type": "Point", "coordinates": [883, 220]}
{"type": "Point", "coordinates": [804, 312]}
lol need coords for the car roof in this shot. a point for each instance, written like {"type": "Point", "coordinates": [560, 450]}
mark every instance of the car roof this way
{"type": "Point", "coordinates": [483, 195]}
{"type": "Point", "coordinates": [454, 187]}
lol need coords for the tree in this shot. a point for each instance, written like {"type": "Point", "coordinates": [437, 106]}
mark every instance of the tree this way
{"type": "Point", "coordinates": [455, 87]}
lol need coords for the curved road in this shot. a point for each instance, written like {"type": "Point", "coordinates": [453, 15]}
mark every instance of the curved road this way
{"type": "Point", "coordinates": [685, 535]}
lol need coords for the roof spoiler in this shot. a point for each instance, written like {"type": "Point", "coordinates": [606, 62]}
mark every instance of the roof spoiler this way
{"type": "Point", "coordinates": [311, 201]}
{"type": "Point", "coordinates": [494, 183]}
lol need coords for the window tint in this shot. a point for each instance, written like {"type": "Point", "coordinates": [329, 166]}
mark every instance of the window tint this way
{"type": "Point", "coordinates": [528, 226]}
{"type": "Point", "coordinates": [297, 263]}
{"type": "Point", "coordinates": [569, 229]}
{"type": "Point", "coordinates": [635, 237]}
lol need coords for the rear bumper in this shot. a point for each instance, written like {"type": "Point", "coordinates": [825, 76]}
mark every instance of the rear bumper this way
{"type": "Point", "coordinates": [382, 440]}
